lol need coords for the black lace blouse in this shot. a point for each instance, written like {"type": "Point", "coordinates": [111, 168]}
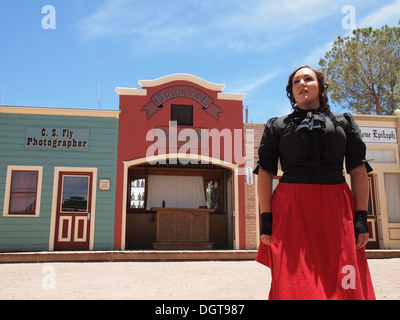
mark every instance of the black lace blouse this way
{"type": "Point", "coordinates": [312, 147]}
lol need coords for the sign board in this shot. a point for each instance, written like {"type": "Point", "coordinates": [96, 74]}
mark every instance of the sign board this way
{"type": "Point", "coordinates": [378, 135]}
{"type": "Point", "coordinates": [193, 138]}
{"type": "Point", "coordinates": [249, 175]}
{"type": "Point", "coordinates": [189, 92]}
{"type": "Point", "coordinates": [104, 184]}
{"type": "Point", "coordinates": [56, 139]}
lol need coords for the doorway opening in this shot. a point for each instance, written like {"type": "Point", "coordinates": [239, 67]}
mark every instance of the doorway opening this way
{"type": "Point", "coordinates": [373, 241]}
{"type": "Point", "coordinates": [73, 210]}
{"type": "Point", "coordinates": [213, 187]}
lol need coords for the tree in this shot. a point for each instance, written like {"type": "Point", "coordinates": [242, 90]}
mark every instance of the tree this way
{"type": "Point", "coordinates": [363, 71]}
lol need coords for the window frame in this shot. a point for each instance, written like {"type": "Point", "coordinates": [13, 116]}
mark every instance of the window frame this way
{"type": "Point", "coordinates": [218, 193]}
{"type": "Point", "coordinates": [370, 154]}
{"type": "Point", "coordinates": [61, 209]}
{"type": "Point", "coordinates": [7, 193]}
{"type": "Point", "coordinates": [132, 178]}
{"type": "Point", "coordinates": [221, 190]}
{"type": "Point", "coordinates": [391, 219]}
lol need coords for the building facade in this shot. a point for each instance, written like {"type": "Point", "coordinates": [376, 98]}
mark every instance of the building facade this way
{"type": "Point", "coordinates": [180, 139]}
{"type": "Point", "coordinates": [101, 180]}
{"type": "Point", "coordinates": [51, 166]}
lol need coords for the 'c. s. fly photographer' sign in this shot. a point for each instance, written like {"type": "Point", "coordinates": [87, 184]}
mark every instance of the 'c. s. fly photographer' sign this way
{"type": "Point", "coordinates": [57, 139]}
{"type": "Point", "coordinates": [378, 135]}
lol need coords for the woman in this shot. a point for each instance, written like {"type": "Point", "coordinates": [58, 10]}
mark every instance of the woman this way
{"type": "Point", "coordinates": [313, 228]}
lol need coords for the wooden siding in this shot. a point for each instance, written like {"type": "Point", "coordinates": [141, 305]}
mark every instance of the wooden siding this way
{"type": "Point", "coordinates": [32, 233]}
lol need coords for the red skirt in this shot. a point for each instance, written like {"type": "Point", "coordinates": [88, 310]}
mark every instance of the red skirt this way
{"type": "Point", "coordinates": [313, 253]}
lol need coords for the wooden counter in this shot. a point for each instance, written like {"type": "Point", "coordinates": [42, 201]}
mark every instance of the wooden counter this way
{"type": "Point", "coordinates": [182, 229]}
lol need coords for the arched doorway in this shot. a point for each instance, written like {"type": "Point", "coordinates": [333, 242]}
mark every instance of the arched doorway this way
{"type": "Point", "coordinates": [219, 184]}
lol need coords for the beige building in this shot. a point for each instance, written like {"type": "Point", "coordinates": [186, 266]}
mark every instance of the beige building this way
{"type": "Point", "coordinates": [380, 133]}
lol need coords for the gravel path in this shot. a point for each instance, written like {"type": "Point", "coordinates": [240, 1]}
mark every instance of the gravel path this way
{"type": "Point", "coordinates": [209, 280]}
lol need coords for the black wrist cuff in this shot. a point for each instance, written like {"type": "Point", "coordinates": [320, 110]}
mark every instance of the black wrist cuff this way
{"type": "Point", "coordinates": [360, 222]}
{"type": "Point", "coordinates": [266, 223]}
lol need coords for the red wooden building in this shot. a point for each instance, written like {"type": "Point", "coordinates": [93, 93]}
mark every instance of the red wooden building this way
{"type": "Point", "coordinates": [180, 147]}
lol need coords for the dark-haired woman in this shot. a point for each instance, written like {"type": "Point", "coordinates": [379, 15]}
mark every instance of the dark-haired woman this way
{"type": "Point", "coordinates": [313, 227]}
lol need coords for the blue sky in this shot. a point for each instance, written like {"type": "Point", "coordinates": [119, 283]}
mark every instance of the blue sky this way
{"type": "Point", "coordinates": [250, 45]}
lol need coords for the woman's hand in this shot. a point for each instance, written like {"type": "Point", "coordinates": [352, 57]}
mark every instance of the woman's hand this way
{"type": "Point", "coordinates": [360, 187]}
{"type": "Point", "coordinates": [362, 240]}
{"type": "Point", "coordinates": [361, 228]}
{"type": "Point", "coordinates": [266, 239]}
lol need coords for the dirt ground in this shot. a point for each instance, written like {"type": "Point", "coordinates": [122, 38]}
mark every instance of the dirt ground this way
{"type": "Point", "coordinates": [208, 280]}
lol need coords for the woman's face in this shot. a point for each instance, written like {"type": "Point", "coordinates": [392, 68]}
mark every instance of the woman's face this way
{"type": "Point", "coordinates": [306, 89]}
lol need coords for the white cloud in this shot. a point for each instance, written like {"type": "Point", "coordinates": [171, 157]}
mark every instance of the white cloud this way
{"type": "Point", "coordinates": [272, 15]}
{"type": "Point", "coordinates": [389, 14]}
{"type": "Point", "coordinates": [171, 24]}
{"type": "Point", "coordinates": [313, 58]}
{"type": "Point", "coordinates": [256, 82]}
{"type": "Point", "coordinates": [121, 18]}
{"type": "Point", "coordinates": [235, 25]}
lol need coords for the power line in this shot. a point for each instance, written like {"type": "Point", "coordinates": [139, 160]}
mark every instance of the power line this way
{"type": "Point", "coordinates": [375, 13]}
{"type": "Point", "coordinates": [391, 68]}
{"type": "Point", "coordinates": [314, 30]}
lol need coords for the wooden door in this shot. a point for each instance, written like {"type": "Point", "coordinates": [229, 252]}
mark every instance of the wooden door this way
{"type": "Point", "coordinates": [74, 208]}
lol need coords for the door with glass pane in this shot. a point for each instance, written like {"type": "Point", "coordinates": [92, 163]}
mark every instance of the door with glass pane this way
{"type": "Point", "coordinates": [73, 211]}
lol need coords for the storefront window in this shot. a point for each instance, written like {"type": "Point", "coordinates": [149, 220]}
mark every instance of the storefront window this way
{"type": "Point", "coordinates": [392, 189]}
{"type": "Point", "coordinates": [23, 192]}
{"type": "Point", "coordinates": [137, 193]}
{"type": "Point", "coordinates": [381, 155]}
{"type": "Point", "coordinates": [212, 194]}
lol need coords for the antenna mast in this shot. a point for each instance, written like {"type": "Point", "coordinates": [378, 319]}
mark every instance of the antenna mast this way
{"type": "Point", "coordinates": [99, 102]}
{"type": "Point", "coordinates": [4, 93]}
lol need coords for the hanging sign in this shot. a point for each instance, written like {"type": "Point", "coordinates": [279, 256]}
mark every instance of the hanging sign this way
{"type": "Point", "coordinates": [249, 175]}
{"type": "Point", "coordinates": [104, 184]}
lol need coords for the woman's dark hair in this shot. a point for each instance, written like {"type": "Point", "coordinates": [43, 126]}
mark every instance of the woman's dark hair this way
{"type": "Point", "coordinates": [323, 95]}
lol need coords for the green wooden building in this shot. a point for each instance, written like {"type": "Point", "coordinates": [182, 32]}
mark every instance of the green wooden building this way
{"type": "Point", "coordinates": [57, 178]}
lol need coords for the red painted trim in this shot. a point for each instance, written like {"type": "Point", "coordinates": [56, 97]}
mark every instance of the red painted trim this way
{"type": "Point", "coordinates": [118, 206]}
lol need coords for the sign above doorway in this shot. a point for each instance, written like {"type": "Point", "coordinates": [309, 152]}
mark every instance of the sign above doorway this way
{"type": "Point", "coordinates": [189, 92]}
